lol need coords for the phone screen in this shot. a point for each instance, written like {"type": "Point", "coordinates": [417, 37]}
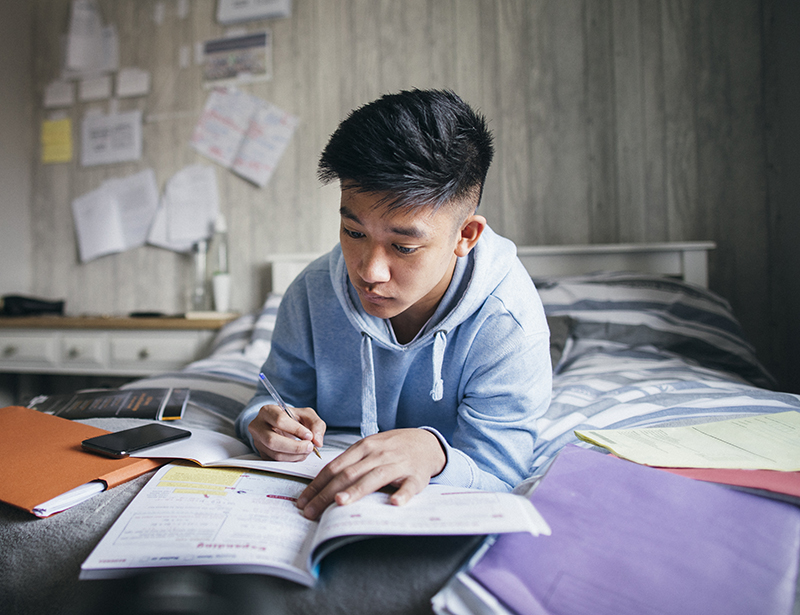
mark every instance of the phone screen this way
{"type": "Point", "coordinates": [123, 443]}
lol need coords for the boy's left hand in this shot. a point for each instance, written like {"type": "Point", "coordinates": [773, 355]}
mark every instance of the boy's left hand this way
{"type": "Point", "coordinates": [404, 458]}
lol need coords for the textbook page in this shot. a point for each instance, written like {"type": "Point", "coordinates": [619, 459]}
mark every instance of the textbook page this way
{"type": "Point", "coordinates": [248, 522]}
{"type": "Point", "coordinates": [438, 510]}
{"type": "Point", "coordinates": [212, 449]}
{"type": "Point", "coordinates": [761, 442]}
{"type": "Point", "coordinates": [190, 516]}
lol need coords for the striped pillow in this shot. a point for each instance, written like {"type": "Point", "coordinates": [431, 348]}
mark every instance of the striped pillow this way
{"type": "Point", "coordinates": [630, 309]}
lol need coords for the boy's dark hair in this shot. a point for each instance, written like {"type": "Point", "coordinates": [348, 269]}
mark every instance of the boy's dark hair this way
{"type": "Point", "coordinates": [420, 147]}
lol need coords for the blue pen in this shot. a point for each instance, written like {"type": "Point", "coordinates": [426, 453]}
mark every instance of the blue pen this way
{"type": "Point", "coordinates": [279, 400]}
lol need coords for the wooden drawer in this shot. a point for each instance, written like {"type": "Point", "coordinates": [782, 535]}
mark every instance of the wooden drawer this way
{"type": "Point", "coordinates": [84, 350]}
{"type": "Point", "coordinates": [22, 350]}
{"type": "Point", "coordinates": [167, 350]}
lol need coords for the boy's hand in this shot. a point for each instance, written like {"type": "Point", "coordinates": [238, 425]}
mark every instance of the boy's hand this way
{"type": "Point", "coordinates": [404, 458]}
{"type": "Point", "coordinates": [279, 438]}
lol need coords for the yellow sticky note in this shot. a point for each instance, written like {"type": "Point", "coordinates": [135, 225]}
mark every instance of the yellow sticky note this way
{"type": "Point", "coordinates": [56, 139]}
{"type": "Point", "coordinates": [203, 476]}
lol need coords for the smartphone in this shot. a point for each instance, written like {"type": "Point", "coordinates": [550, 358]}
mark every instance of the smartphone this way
{"type": "Point", "coordinates": [122, 443]}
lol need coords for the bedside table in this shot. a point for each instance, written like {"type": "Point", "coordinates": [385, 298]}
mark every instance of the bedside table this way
{"type": "Point", "coordinates": [102, 346]}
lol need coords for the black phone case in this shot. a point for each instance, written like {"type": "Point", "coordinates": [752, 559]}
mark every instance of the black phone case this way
{"type": "Point", "coordinates": [122, 443]}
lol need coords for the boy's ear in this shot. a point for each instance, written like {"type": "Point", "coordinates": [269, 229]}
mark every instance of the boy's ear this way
{"type": "Point", "coordinates": [469, 234]}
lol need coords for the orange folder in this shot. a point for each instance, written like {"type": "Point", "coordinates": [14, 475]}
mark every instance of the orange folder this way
{"type": "Point", "coordinates": [41, 457]}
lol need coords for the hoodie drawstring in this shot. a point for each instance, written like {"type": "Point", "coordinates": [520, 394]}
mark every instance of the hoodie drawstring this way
{"type": "Point", "coordinates": [439, 343]}
{"type": "Point", "coordinates": [369, 405]}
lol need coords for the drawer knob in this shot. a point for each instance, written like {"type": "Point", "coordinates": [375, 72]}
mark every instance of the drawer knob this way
{"type": "Point", "coordinates": [73, 353]}
{"type": "Point", "coordinates": [9, 351]}
{"type": "Point", "coordinates": [144, 354]}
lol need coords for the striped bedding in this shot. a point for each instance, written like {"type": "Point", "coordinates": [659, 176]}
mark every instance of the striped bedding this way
{"type": "Point", "coordinates": [643, 350]}
{"type": "Point", "coordinates": [628, 350]}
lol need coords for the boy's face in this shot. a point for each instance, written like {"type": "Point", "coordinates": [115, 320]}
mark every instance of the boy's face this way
{"type": "Point", "coordinates": [400, 262]}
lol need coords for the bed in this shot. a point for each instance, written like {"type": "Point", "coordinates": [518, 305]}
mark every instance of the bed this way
{"type": "Point", "coordinates": [636, 340]}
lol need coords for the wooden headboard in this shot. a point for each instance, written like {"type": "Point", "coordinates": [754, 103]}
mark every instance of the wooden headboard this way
{"type": "Point", "coordinates": [685, 260]}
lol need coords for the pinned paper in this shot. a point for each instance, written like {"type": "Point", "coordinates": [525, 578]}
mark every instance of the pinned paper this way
{"type": "Point", "coordinates": [234, 11]}
{"type": "Point", "coordinates": [133, 82]}
{"type": "Point", "coordinates": [59, 94]}
{"type": "Point", "coordinates": [56, 141]}
{"type": "Point", "coordinates": [243, 133]}
{"type": "Point", "coordinates": [243, 59]}
{"type": "Point", "coordinates": [116, 216]}
{"type": "Point", "coordinates": [92, 48]}
{"type": "Point", "coordinates": [188, 209]}
{"type": "Point", "coordinates": [94, 88]}
{"type": "Point", "coordinates": [107, 139]}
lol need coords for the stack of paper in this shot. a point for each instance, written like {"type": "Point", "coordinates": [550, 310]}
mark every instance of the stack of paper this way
{"type": "Point", "coordinates": [757, 452]}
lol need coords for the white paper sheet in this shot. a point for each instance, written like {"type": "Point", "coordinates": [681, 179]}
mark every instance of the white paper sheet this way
{"type": "Point", "coordinates": [106, 139]}
{"type": "Point", "coordinates": [235, 11]}
{"type": "Point", "coordinates": [267, 137]}
{"type": "Point", "coordinates": [59, 93]}
{"type": "Point", "coordinates": [243, 133]}
{"type": "Point", "coordinates": [761, 442]}
{"type": "Point", "coordinates": [116, 216]}
{"type": "Point", "coordinates": [94, 88]}
{"type": "Point", "coordinates": [91, 47]}
{"type": "Point", "coordinates": [133, 81]}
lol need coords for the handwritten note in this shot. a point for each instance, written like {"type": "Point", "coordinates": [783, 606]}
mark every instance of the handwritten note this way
{"type": "Point", "coordinates": [243, 133]}
{"type": "Point", "coordinates": [116, 216]}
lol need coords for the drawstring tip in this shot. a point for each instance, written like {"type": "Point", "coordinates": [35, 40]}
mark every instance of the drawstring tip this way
{"type": "Point", "coordinates": [438, 390]}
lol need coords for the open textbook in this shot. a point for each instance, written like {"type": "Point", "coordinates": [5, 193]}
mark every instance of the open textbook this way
{"type": "Point", "coordinates": [204, 447]}
{"type": "Point", "coordinates": [237, 520]}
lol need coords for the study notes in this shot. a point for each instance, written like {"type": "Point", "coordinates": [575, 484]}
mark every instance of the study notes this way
{"type": "Point", "coordinates": [759, 442]}
{"type": "Point", "coordinates": [212, 449]}
{"type": "Point", "coordinates": [247, 522]}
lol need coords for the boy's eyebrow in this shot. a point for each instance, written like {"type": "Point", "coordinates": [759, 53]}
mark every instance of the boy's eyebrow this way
{"type": "Point", "coordinates": [411, 231]}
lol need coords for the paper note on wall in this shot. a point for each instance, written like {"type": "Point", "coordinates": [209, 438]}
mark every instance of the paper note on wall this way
{"type": "Point", "coordinates": [243, 133]}
{"type": "Point", "coordinates": [59, 93]}
{"type": "Point", "coordinates": [56, 141]}
{"type": "Point", "coordinates": [106, 139]}
{"type": "Point", "coordinates": [116, 216]}
{"type": "Point", "coordinates": [188, 210]}
{"type": "Point", "coordinates": [91, 47]}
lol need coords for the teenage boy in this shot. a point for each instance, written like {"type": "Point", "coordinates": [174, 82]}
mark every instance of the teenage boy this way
{"type": "Point", "coordinates": [421, 327]}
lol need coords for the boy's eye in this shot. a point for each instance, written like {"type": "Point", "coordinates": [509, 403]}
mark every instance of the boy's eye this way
{"type": "Point", "coordinates": [352, 234]}
{"type": "Point", "coordinates": [404, 249]}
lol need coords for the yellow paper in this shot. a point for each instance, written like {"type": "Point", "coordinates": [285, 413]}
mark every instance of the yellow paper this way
{"type": "Point", "coordinates": [761, 442]}
{"type": "Point", "coordinates": [203, 476]}
{"type": "Point", "coordinates": [56, 141]}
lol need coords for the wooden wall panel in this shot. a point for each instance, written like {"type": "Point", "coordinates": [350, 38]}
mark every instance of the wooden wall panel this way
{"type": "Point", "coordinates": [614, 120]}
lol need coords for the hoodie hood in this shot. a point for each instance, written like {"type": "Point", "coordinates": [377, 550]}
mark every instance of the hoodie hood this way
{"type": "Point", "coordinates": [476, 277]}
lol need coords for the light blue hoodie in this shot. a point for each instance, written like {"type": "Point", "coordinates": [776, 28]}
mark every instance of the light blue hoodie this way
{"type": "Point", "coordinates": [478, 375]}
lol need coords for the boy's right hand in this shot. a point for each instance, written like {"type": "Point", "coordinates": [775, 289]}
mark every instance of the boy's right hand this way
{"type": "Point", "coordinates": [277, 437]}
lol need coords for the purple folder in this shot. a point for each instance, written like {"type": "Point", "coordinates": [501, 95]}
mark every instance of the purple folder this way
{"type": "Point", "coordinates": [628, 539]}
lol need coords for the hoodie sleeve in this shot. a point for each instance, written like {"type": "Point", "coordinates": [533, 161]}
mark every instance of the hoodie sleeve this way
{"type": "Point", "coordinates": [290, 362]}
{"type": "Point", "coordinates": [505, 388]}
